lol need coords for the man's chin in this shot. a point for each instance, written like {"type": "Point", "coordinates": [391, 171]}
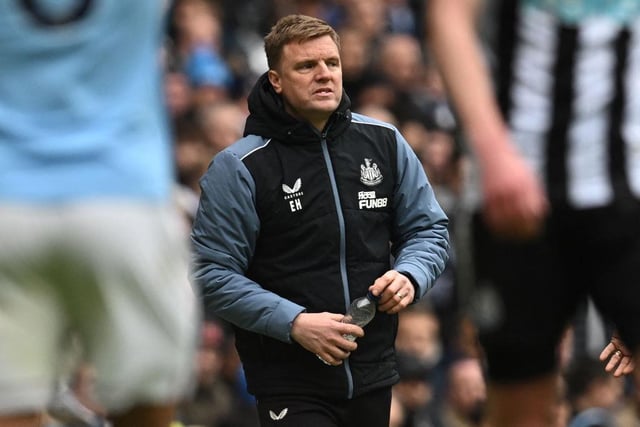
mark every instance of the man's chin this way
{"type": "Point", "coordinates": [325, 106]}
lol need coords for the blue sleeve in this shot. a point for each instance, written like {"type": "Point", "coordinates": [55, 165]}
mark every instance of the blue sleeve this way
{"type": "Point", "coordinates": [224, 236]}
{"type": "Point", "coordinates": [420, 241]}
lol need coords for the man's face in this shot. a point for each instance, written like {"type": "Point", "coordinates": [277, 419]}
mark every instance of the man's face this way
{"type": "Point", "coordinates": [309, 78]}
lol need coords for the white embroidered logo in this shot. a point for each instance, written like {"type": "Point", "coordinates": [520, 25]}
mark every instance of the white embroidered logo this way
{"type": "Point", "coordinates": [281, 415]}
{"type": "Point", "coordinates": [369, 200]}
{"type": "Point", "coordinates": [293, 194]}
{"type": "Point", "coordinates": [296, 187]}
{"type": "Point", "coordinates": [369, 173]}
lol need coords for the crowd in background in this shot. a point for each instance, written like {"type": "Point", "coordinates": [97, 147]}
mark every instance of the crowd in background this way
{"type": "Point", "coordinates": [213, 55]}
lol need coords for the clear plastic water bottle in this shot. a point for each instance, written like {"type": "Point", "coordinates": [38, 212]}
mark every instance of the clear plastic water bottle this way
{"type": "Point", "coordinates": [360, 312]}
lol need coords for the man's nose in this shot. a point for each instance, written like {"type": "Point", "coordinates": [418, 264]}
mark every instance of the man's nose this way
{"type": "Point", "coordinates": [323, 71]}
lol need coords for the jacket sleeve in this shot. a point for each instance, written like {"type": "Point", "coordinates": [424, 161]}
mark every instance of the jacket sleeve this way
{"type": "Point", "coordinates": [420, 240]}
{"type": "Point", "coordinates": [224, 236]}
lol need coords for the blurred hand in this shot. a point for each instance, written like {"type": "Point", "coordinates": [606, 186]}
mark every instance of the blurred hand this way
{"type": "Point", "coordinates": [617, 358]}
{"type": "Point", "coordinates": [322, 334]}
{"type": "Point", "coordinates": [515, 205]}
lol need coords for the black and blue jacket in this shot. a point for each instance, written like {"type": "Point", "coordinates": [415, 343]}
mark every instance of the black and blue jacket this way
{"type": "Point", "coordinates": [292, 219]}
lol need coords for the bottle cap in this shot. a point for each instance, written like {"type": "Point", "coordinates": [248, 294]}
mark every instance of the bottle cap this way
{"type": "Point", "coordinates": [372, 297]}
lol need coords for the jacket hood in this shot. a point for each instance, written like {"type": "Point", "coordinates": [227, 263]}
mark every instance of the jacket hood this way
{"type": "Point", "coordinates": [268, 118]}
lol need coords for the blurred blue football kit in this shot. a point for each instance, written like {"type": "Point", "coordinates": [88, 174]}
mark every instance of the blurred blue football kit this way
{"type": "Point", "coordinates": [91, 242]}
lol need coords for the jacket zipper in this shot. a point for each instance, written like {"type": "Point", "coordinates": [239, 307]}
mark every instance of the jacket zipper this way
{"type": "Point", "coordinates": [343, 261]}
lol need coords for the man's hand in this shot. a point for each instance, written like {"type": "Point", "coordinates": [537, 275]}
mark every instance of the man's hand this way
{"type": "Point", "coordinates": [395, 291]}
{"type": "Point", "coordinates": [322, 334]}
{"type": "Point", "coordinates": [617, 357]}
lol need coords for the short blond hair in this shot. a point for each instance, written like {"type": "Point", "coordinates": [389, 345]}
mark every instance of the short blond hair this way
{"type": "Point", "coordinates": [295, 28]}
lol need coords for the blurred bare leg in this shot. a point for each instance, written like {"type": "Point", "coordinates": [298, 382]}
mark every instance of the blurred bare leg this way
{"type": "Point", "coordinates": [24, 420]}
{"type": "Point", "coordinates": [522, 405]}
{"type": "Point", "coordinates": [145, 416]}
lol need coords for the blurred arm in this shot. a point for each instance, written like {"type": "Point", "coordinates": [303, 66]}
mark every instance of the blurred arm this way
{"type": "Point", "coordinates": [514, 201]}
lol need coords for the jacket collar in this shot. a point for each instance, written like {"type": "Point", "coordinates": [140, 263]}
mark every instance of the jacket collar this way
{"type": "Point", "coordinates": [268, 118]}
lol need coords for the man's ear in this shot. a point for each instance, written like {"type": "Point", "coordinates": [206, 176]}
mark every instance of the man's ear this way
{"type": "Point", "coordinates": [274, 79]}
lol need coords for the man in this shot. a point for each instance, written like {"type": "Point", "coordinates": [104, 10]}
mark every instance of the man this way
{"type": "Point", "coordinates": [301, 217]}
{"type": "Point", "coordinates": [556, 147]}
{"type": "Point", "coordinates": [464, 393]}
{"type": "Point", "coordinates": [91, 245]}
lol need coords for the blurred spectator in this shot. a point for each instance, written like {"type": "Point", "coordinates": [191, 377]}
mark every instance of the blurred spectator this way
{"type": "Point", "coordinates": [416, 390]}
{"type": "Point", "coordinates": [423, 115]}
{"type": "Point", "coordinates": [323, 9]}
{"type": "Point", "coordinates": [248, 16]}
{"type": "Point", "coordinates": [594, 395]}
{"type": "Point", "coordinates": [419, 334]}
{"type": "Point", "coordinates": [442, 159]}
{"type": "Point", "coordinates": [363, 84]}
{"type": "Point", "coordinates": [402, 17]}
{"type": "Point", "coordinates": [178, 93]}
{"type": "Point", "coordinates": [593, 417]}
{"type": "Point", "coordinates": [211, 403]}
{"type": "Point", "coordinates": [439, 157]}
{"type": "Point", "coordinates": [367, 16]}
{"type": "Point", "coordinates": [220, 398]}
{"type": "Point", "coordinates": [222, 124]}
{"type": "Point", "coordinates": [378, 112]}
{"type": "Point", "coordinates": [192, 152]}
{"type": "Point", "coordinates": [445, 165]}
{"type": "Point", "coordinates": [196, 30]}
{"type": "Point", "coordinates": [244, 412]}
{"type": "Point", "coordinates": [419, 353]}
{"type": "Point", "coordinates": [402, 62]}
{"type": "Point", "coordinates": [629, 413]}
{"type": "Point", "coordinates": [198, 137]}
{"type": "Point", "coordinates": [465, 394]}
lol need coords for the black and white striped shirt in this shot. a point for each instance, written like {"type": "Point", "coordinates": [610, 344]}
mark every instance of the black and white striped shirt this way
{"type": "Point", "coordinates": [568, 81]}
